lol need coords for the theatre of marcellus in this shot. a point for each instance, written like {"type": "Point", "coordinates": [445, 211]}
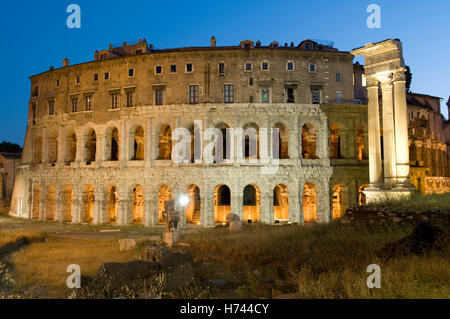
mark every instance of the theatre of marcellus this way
{"type": "Point", "coordinates": [299, 132]}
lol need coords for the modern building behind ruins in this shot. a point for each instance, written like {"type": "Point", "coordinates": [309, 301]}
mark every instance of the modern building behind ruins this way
{"type": "Point", "coordinates": [98, 147]}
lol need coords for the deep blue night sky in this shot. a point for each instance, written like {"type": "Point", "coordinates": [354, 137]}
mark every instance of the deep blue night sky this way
{"type": "Point", "coordinates": [35, 35]}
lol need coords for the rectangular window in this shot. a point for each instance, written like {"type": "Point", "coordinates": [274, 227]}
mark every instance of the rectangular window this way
{"type": "Point", "coordinates": [131, 72]}
{"type": "Point", "coordinates": [338, 77]}
{"type": "Point", "coordinates": [57, 82]}
{"type": "Point", "coordinates": [248, 66]}
{"type": "Point", "coordinates": [290, 66]}
{"type": "Point", "coordinates": [265, 95]}
{"type": "Point", "coordinates": [250, 100]}
{"type": "Point", "coordinates": [339, 97]}
{"type": "Point", "coordinates": [114, 100]}
{"type": "Point", "coordinates": [130, 98]}
{"type": "Point", "coordinates": [88, 102]}
{"type": "Point", "coordinates": [158, 69]}
{"type": "Point", "coordinates": [51, 107]}
{"type": "Point", "coordinates": [221, 68]}
{"type": "Point", "coordinates": [315, 95]}
{"type": "Point", "coordinates": [159, 96]}
{"type": "Point", "coordinates": [265, 66]}
{"type": "Point", "coordinates": [290, 95]}
{"type": "Point", "coordinates": [189, 67]}
{"type": "Point", "coordinates": [107, 76]}
{"type": "Point", "coordinates": [312, 67]}
{"type": "Point", "coordinates": [173, 68]}
{"type": "Point", "coordinates": [228, 90]}
{"type": "Point", "coordinates": [95, 77]}
{"type": "Point", "coordinates": [78, 80]}
{"type": "Point", "coordinates": [250, 81]}
{"type": "Point", "coordinates": [193, 94]}
{"type": "Point", "coordinates": [74, 105]}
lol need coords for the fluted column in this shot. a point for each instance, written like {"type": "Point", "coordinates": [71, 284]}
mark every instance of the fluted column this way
{"type": "Point", "coordinates": [390, 162]}
{"type": "Point", "coordinates": [401, 129]}
{"type": "Point", "coordinates": [374, 133]}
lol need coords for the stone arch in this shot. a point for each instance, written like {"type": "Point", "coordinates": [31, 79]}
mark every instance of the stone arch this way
{"type": "Point", "coordinates": [193, 208]}
{"type": "Point", "coordinates": [88, 202]}
{"type": "Point", "coordinates": [50, 203]}
{"type": "Point", "coordinates": [252, 203]}
{"type": "Point", "coordinates": [165, 143]}
{"type": "Point", "coordinates": [164, 194]}
{"type": "Point", "coordinates": [283, 141]}
{"type": "Point", "coordinates": [337, 201]}
{"type": "Point", "coordinates": [138, 204]}
{"type": "Point", "coordinates": [360, 141]}
{"type": "Point", "coordinates": [226, 140]}
{"type": "Point", "coordinates": [309, 141]}
{"type": "Point", "coordinates": [361, 195]}
{"type": "Point", "coordinates": [281, 203]}
{"type": "Point", "coordinates": [36, 202]}
{"type": "Point", "coordinates": [37, 150]}
{"type": "Point", "coordinates": [222, 203]}
{"type": "Point", "coordinates": [67, 203]}
{"type": "Point", "coordinates": [70, 151]}
{"type": "Point", "coordinates": [90, 146]}
{"type": "Point", "coordinates": [335, 142]}
{"type": "Point", "coordinates": [113, 204]}
{"type": "Point", "coordinates": [310, 201]}
{"type": "Point", "coordinates": [112, 149]}
{"type": "Point", "coordinates": [52, 141]}
{"type": "Point", "coordinates": [250, 140]}
{"type": "Point", "coordinates": [138, 144]}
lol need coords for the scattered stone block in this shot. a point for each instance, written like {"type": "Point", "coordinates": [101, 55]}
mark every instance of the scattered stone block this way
{"type": "Point", "coordinates": [171, 238]}
{"type": "Point", "coordinates": [235, 226]}
{"type": "Point", "coordinates": [127, 244]}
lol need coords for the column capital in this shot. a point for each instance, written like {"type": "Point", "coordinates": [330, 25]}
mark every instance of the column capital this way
{"type": "Point", "coordinates": [399, 75]}
{"type": "Point", "coordinates": [386, 85]}
{"type": "Point", "coordinates": [372, 81]}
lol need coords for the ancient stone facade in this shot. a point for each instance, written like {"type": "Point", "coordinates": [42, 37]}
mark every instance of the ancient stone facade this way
{"type": "Point", "coordinates": [101, 136]}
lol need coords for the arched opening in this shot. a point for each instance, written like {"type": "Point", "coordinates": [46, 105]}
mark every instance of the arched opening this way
{"type": "Point", "coordinates": [283, 138]}
{"type": "Point", "coordinates": [251, 141]}
{"type": "Point", "coordinates": [36, 202]}
{"type": "Point", "coordinates": [165, 143]}
{"type": "Point", "coordinates": [360, 144]}
{"type": "Point", "coordinates": [223, 154]}
{"type": "Point", "coordinates": [138, 145]}
{"type": "Point", "coordinates": [252, 204]}
{"type": "Point", "coordinates": [113, 204]}
{"type": "Point", "coordinates": [52, 147]}
{"type": "Point", "coordinates": [50, 203]}
{"type": "Point", "coordinates": [88, 204]}
{"type": "Point", "coordinates": [281, 203]}
{"type": "Point", "coordinates": [335, 142]}
{"type": "Point", "coordinates": [222, 203]}
{"type": "Point", "coordinates": [193, 208]}
{"type": "Point", "coordinates": [337, 201]}
{"type": "Point", "coordinates": [91, 146]}
{"type": "Point", "coordinates": [112, 144]}
{"type": "Point", "coordinates": [309, 203]}
{"type": "Point", "coordinates": [138, 204]}
{"type": "Point", "coordinates": [37, 147]}
{"type": "Point", "coordinates": [71, 148]}
{"type": "Point", "coordinates": [164, 194]}
{"type": "Point", "coordinates": [361, 196]}
{"type": "Point", "coordinates": [309, 137]}
{"type": "Point", "coordinates": [67, 206]}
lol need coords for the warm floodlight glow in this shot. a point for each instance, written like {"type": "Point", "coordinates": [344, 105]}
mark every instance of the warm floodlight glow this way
{"type": "Point", "coordinates": [184, 200]}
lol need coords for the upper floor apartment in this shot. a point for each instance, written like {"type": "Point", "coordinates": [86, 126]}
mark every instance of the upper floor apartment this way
{"type": "Point", "coordinates": [137, 75]}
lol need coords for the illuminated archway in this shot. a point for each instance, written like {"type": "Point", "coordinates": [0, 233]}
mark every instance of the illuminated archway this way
{"type": "Point", "coordinates": [337, 201]}
{"type": "Point", "coordinates": [113, 204]}
{"type": "Point", "coordinates": [67, 203]}
{"type": "Point", "coordinates": [309, 137]}
{"type": "Point", "coordinates": [164, 194]}
{"type": "Point", "coordinates": [193, 208]}
{"type": "Point", "coordinates": [91, 147]}
{"type": "Point", "coordinates": [281, 203]}
{"type": "Point", "coordinates": [88, 204]}
{"type": "Point", "coordinates": [222, 203]}
{"type": "Point", "coordinates": [138, 204]}
{"type": "Point", "coordinates": [50, 203]}
{"type": "Point", "coordinates": [138, 145]}
{"type": "Point", "coordinates": [165, 143]}
{"type": "Point", "coordinates": [252, 204]}
{"type": "Point", "coordinates": [309, 203]}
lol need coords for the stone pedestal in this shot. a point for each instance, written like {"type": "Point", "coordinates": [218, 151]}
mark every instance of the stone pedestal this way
{"type": "Point", "coordinates": [171, 238]}
{"type": "Point", "coordinates": [379, 195]}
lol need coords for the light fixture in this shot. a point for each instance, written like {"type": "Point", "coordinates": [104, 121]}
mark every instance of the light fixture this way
{"type": "Point", "coordinates": [183, 200]}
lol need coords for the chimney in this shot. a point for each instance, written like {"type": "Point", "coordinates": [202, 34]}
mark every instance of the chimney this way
{"type": "Point", "coordinates": [66, 62]}
{"type": "Point", "coordinates": [213, 42]}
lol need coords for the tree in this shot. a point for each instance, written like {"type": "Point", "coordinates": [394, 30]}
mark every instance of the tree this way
{"type": "Point", "coordinates": [8, 147]}
{"type": "Point", "coordinates": [408, 75]}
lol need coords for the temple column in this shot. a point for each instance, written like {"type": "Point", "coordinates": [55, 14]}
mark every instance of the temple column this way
{"type": "Point", "coordinates": [390, 162]}
{"type": "Point", "coordinates": [374, 133]}
{"type": "Point", "coordinates": [100, 149]}
{"type": "Point", "coordinates": [401, 129]}
{"type": "Point", "coordinates": [208, 206]}
{"type": "Point", "coordinates": [294, 204]}
{"type": "Point", "coordinates": [267, 214]}
{"type": "Point", "coordinates": [98, 205]}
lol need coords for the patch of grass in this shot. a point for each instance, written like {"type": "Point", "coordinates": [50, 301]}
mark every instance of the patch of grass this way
{"type": "Point", "coordinates": [322, 261]}
{"type": "Point", "coordinates": [9, 236]}
{"type": "Point", "coordinates": [418, 203]}
{"type": "Point", "coordinates": [44, 265]}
